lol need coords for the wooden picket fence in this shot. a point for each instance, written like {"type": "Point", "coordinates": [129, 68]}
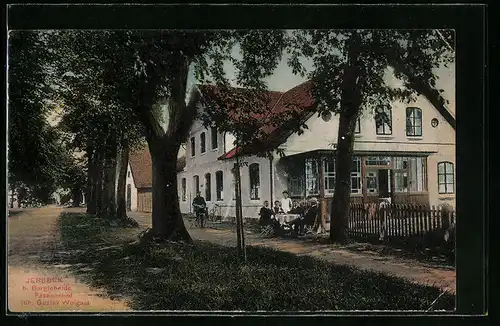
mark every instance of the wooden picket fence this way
{"type": "Point", "coordinates": [426, 225]}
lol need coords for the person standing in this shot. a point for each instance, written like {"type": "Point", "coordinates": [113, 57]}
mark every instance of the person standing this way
{"type": "Point", "coordinates": [199, 207]}
{"type": "Point", "coordinates": [286, 202]}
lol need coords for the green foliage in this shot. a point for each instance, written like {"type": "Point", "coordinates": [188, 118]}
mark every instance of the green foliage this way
{"type": "Point", "coordinates": [412, 53]}
{"type": "Point", "coordinates": [33, 147]}
{"type": "Point", "coordinates": [211, 277]}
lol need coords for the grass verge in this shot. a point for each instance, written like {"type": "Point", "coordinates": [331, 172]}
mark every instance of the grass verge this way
{"type": "Point", "coordinates": [210, 277]}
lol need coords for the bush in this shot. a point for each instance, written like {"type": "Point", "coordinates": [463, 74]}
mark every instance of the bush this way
{"type": "Point", "coordinates": [206, 276]}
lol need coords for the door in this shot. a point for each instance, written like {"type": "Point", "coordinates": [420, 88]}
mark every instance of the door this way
{"type": "Point", "coordinates": [129, 198]}
{"type": "Point", "coordinates": [383, 184]}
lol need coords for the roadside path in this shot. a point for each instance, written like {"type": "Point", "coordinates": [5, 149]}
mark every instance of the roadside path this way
{"type": "Point", "coordinates": [37, 286]}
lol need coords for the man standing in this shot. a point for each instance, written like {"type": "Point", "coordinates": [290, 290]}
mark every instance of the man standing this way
{"type": "Point", "coordinates": [199, 207]}
{"type": "Point", "coordinates": [286, 202]}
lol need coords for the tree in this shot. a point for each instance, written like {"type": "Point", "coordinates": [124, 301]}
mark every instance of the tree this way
{"type": "Point", "coordinates": [33, 149]}
{"type": "Point", "coordinates": [348, 78]}
{"type": "Point", "coordinates": [95, 122]}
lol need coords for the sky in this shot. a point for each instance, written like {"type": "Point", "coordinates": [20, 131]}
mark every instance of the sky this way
{"type": "Point", "coordinates": [283, 78]}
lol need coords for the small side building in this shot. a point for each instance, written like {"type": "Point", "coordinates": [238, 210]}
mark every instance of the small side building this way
{"type": "Point", "coordinates": [139, 191]}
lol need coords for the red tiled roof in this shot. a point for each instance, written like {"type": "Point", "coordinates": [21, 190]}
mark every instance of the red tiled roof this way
{"type": "Point", "coordinates": [289, 107]}
{"type": "Point", "coordinates": [142, 168]}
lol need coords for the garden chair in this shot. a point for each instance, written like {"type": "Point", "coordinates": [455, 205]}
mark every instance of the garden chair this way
{"type": "Point", "coordinates": [266, 230]}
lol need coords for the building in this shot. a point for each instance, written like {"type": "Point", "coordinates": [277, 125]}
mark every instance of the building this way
{"type": "Point", "coordinates": [139, 179]}
{"type": "Point", "coordinates": [410, 158]}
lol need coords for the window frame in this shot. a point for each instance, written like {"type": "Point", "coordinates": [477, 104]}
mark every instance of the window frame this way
{"type": "Point", "coordinates": [193, 146]}
{"type": "Point", "coordinates": [219, 188]}
{"type": "Point", "coordinates": [203, 143]}
{"type": "Point", "coordinates": [208, 186]}
{"type": "Point", "coordinates": [445, 183]}
{"type": "Point", "coordinates": [183, 189]}
{"type": "Point", "coordinates": [196, 184]}
{"type": "Point", "coordinates": [327, 175]}
{"type": "Point", "coordinates": [356, 175]}
{"type": "Point", "coordinates": [214, 134]}
{"type": "Point", "coordinates": [357, 128]}
{"type": "Point", "coordinates": [384, 125]}
{"type": "Point", "coordinates": [254, 181]}
{"type": "Point", "coordinates": [411, 119]}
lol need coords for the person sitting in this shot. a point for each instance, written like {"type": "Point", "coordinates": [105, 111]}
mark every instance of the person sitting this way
{"type": "Point", "coordinates": [296, 209]}
{"type": "Point", "coordinates": [277, 207]}
{"type": "Point", "coordinates": [286, 202]}
{"type": "Point", "coordinates": [301, 211]}
{"type": "Point", "coordinates": [312, 213]}
{"type": "Point", "coordinates": [265, 214]}
{"type": "Point", "coordinates": [266, 218]}
{"type": "Point", "coordinates": [199, 207]}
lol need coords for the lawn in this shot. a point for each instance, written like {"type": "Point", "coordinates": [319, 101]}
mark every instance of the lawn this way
{"type": "Point", "coordinates": [210, 277]}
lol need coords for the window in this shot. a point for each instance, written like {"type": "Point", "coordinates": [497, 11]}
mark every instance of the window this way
{"type": "Point", "coordinates": [254, 181]}
{"type": "Point", "coordinates": [383, 120]}
{"type": "Point", "coordinates": [378, 160]}
{"type": "Point", "coordinates": [183, 189]}
{"type": "Point", "coordinates": [413, 122]}
{"type": "Point", "coordinates": [296, 185]}
{"type": "Point", "coordinates": [193, 146]}
{"type": "Point", "coordinates": [356, 176]}
{"type": "Point", "coordinates": [219, 185]}
{"type": "Point", "coordinates": [329, 174]}
{"type": "Point", "coordinates": [202, 143]}
{"type": "Point", "coordinates": [371, 182]}
{"type": "Point", "coordinates": [196, 184]}
{"type": "Point", "coordinates": [409, 174]}
{"type": "Point", "coordinates": [357, 130]}
{"type": "Point", "coordinates": [128, 174]}
{"type": "Point", "coordinates": [312, 173]}
{"type": "Point", "coordinates": [214, 137]}
{"type": "Point", "coordinates": [446, 178]}
{"type": "Point", "coordinates": [401, 174]}
{"type": "Point", "coordinates": [208, 187]}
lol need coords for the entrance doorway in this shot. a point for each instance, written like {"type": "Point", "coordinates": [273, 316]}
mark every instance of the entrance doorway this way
{"type": "Point", "coordinates": [378, 183]}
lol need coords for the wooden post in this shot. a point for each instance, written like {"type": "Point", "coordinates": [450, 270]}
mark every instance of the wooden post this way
{"type": "Point", "coordinates": [391, 180]}
{"type": "Point", "coordinates": [322, 193]}
{"type": "Point", "coordinates": [363, 178]}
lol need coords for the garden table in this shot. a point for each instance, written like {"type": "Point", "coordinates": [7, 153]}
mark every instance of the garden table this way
{"type": "Point", "coordinates": [286, 218]}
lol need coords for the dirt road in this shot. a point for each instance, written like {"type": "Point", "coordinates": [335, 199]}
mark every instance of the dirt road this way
{"type": "Point", "coordinates": [35, 285]}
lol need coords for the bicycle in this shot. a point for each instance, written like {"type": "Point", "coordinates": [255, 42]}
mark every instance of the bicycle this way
{"type": "Point", "coordinates": [213, 216]}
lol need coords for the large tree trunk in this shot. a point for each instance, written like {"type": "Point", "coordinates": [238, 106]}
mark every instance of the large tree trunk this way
{"type": "Point", "coordinates": [99, 181]}
{"type": "Point", "coordinates": [111, 188]}
{"type": "Point", "coordinates": [350, 106]}
{"type": "Point", "coordinates": [13, 191]}
{"type": "Point", "coordinates": [121, 210]}
{"type": "Point", "coordinates": [164, 146]}
{"type": "Point", "coordinates": [166, 216]}
{"type": "Point", "coordinates": [91, 181]}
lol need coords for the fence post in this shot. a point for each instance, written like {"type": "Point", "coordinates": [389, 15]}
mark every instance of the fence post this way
{"type": "Point", "coordinates": [445, 217]}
